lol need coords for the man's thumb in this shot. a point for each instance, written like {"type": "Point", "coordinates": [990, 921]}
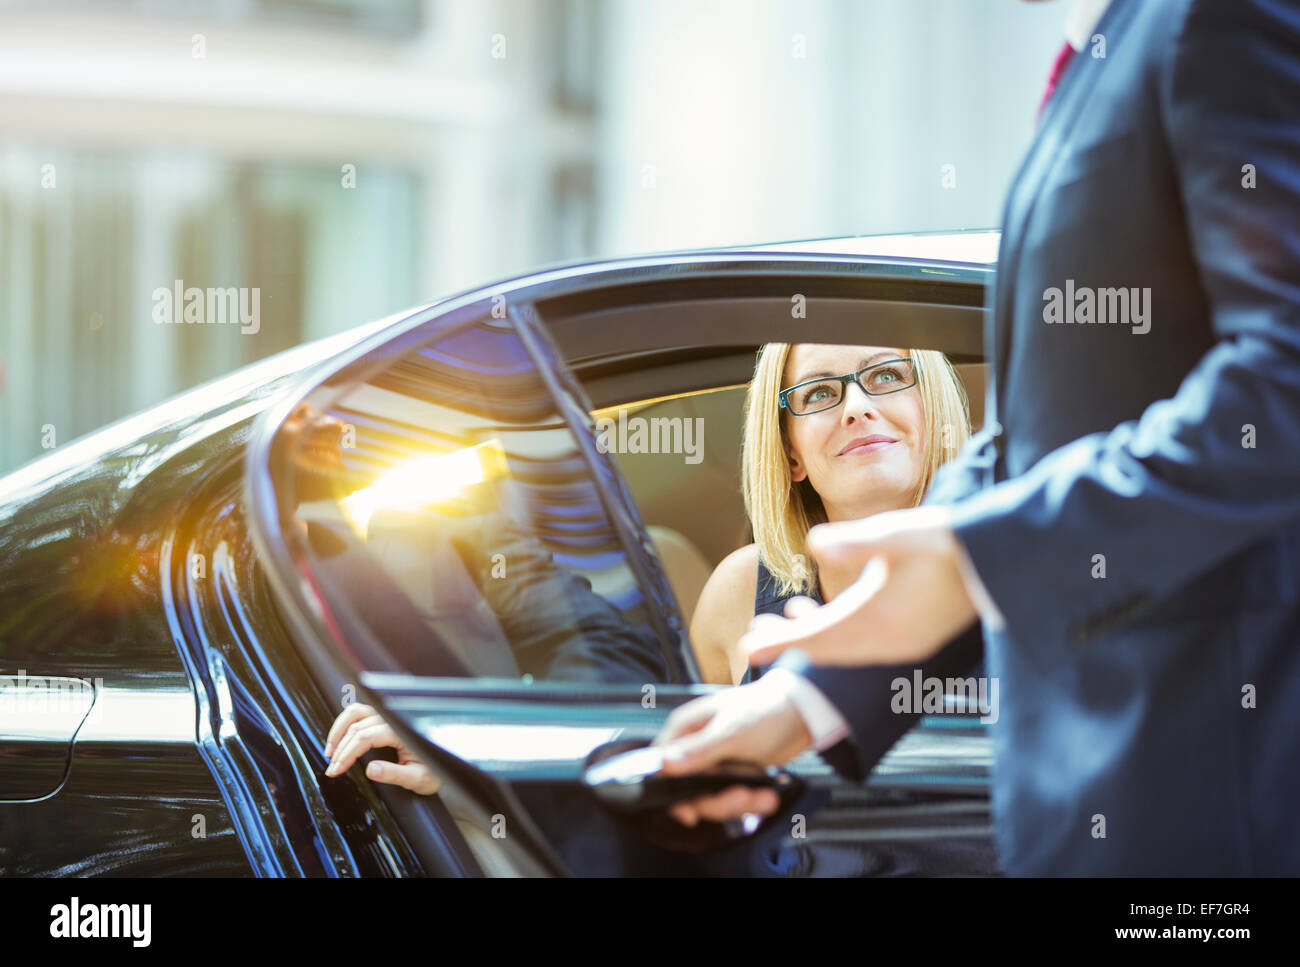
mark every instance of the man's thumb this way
{"type": "Point", "coordinates": [842, 542]}
{"type": "Point", "coordinates": [695, 752]}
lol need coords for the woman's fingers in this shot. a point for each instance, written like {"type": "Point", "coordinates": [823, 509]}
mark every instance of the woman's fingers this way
{"type": "Point", "coordinates": [369, 733]}
{"type": "Point", "coordinates": [347, 718]}
{"type": "Point", "coordinates": [359, 730]}
{"type": "Point", "coordinates": [414, 776]}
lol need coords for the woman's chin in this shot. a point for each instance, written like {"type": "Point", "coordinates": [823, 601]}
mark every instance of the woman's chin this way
{"type": "Point", "coordinates": [875, 489]}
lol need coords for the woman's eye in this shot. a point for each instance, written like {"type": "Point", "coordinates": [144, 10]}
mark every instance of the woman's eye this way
{"type": "Point", "coordinates": [816, 394]}
{"type": "Point", "coordinates": [885, 377]}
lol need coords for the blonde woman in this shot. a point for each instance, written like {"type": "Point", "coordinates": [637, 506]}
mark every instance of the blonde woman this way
{"type": "Point", "coordinates": [832, 433]}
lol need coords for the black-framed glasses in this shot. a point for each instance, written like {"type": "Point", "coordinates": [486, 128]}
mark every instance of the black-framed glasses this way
{"type": "Point", "coordinates": [827, 392]}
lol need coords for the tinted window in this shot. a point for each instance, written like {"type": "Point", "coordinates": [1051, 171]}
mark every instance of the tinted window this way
{"type": "Point", "coordinates": [450, 513]}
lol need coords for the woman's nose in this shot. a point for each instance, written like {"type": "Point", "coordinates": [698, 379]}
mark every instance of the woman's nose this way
{"type": "Point", "coordinates": [858, 403]}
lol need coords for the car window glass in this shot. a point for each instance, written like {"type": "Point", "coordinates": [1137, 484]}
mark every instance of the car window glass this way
{"type": "Point", "coordinates": [688, 495]}
{"type": "Point", "coordinates": [448, 512]}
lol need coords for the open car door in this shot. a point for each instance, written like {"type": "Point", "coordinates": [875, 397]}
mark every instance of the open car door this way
{"type": "Point", "coordinates": [448, 541]}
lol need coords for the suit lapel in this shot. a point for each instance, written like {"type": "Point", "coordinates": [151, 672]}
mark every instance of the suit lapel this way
{"type": "Point", "coordinates": [1053, 129]}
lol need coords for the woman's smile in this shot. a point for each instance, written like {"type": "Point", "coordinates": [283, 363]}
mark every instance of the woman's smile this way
{"type": "Point", "coordinates": [862, 445]}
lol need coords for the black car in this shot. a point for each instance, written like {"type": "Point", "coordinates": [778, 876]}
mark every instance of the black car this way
{"type": "Point", "coordinates": [444, 515]}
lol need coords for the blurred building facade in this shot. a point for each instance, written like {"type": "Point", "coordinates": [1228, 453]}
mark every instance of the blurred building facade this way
{"type": "Point", "coordinates": [346, 159]}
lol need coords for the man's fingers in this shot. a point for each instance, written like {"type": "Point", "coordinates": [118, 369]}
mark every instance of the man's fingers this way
{"type": "Point", "coordinates": [820, 631]}
{"type": "Point", "coordinates": [843, 541]}
{"type": "Point", "coordinates": [698, 750]}
{"type": "Point", "coordinates": [731, 803]}
{"type": "Point", "coordinates": [736, 802]}
{"type": "Point", "coordinates": [799, 606]}
{"type": "Point", "coordinates": [761, 621]}
{"type": "Point", "coordinates": [414, 776]}
{"type": "Point", "coordinates": [684, 720]}
{"type": "Point", "coordinates": [684, 813]}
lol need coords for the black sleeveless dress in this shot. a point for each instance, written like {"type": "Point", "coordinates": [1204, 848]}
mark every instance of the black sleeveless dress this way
{"type": "Point", "coordinates": [769, 600]}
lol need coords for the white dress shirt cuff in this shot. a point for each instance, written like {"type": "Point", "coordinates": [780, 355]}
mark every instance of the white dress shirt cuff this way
{"type": "Point", "coordinates": [825, 724]}
{"type": "Point", "coordinates": [979, 595]}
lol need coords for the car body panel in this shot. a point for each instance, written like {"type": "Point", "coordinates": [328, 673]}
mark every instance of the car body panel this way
{"type": "Point", "coordinates": [200, 753]}
{"type": "Point", "coordinates": [86, 592]}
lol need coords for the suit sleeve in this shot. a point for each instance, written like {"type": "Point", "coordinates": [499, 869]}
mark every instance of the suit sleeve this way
{"type": "Point", "coordinates": [864, 696]}
{"type": "Point", "coordinates": [1174, 493]}
{"type": "Point", "coordinates": [964, 474]}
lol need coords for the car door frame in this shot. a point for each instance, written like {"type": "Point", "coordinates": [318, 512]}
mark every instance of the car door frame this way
{"type": "Point", "coordinates": [583, 309]}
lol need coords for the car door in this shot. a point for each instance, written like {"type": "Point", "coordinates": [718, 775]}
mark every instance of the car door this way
{"type": "Point", "coordinates": [449, 540]}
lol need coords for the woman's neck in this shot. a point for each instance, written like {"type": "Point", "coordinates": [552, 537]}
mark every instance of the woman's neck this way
{"type": "Point", "coordinates": [836, 514]}
{"type": "Point", "coordinates": [832, 581]}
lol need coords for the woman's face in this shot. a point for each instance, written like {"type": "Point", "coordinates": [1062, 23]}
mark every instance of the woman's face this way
{"type": "Point", "coordinates": [865, 455]}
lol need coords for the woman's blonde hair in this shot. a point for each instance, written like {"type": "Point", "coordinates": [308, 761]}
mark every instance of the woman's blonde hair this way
{"type": "Point", "coordinates": [781, 512]}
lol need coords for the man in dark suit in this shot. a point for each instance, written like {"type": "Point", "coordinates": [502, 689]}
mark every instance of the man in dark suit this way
{"type": "Point", "coordinates": [1127, 523]}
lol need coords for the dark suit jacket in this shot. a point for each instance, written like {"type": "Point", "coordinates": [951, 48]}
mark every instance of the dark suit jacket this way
{"type": "Point", "coordinates": [1133, 505]}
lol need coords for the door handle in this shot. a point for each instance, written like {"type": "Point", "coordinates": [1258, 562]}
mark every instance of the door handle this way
{"type": "Point", "coordinates": [623, 777]}
{"type": "Point", "coordinates": [39, 719]}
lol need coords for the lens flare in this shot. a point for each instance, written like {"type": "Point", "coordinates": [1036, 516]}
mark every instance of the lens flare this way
{"type": "Point", "coordinates": [423, 482]}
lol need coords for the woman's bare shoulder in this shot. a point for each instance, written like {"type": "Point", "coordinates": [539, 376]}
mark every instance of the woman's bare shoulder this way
{"type": "Point", "coordinates": [738, 570]}
{"type": "Point", "coordinates": [725, 608]}
{"type": "Point", "coordinates": [732, 587]}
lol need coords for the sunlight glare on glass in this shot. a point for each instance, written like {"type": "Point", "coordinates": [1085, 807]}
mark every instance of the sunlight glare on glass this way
{"type": "Point", "coordinates": [423, 482]}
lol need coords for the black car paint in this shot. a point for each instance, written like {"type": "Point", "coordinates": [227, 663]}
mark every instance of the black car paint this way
{"type": "Point", "coordinates": [96, 582]}
{"type": "Point", "coordinates": [93, 585]}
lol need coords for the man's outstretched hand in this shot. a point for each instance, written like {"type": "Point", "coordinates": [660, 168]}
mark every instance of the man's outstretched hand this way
{"type": "Point", "coordinates": [753, 723]}
{"type": "Point", "coordinates": [909, 601]}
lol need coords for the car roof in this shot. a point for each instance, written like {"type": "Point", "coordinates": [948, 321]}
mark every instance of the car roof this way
{"type": "Point", "coordinates": [975, 246]}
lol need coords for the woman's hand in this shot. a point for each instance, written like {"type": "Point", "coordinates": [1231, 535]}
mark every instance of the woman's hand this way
{"type": "Point", "coordinates": [357, 730]}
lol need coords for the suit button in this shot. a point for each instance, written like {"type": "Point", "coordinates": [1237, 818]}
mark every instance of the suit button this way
{"type": "Point", "coordinates": [995, 429]}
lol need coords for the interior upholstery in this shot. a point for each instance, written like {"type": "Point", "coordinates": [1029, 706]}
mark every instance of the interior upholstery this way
{"type": "Point", "coordinates": [685, 564]}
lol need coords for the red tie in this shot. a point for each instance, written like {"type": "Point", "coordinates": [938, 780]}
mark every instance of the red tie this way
{"type": "Point", "coordinates": [1058, 69]}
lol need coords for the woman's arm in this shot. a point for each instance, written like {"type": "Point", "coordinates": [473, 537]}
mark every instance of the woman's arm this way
{"type": "Point", "coordinates": [722, 615]}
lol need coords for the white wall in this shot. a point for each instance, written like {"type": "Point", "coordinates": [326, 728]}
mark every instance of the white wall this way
{"type": "Point", "coordinates": [749, 142]}
{"type": "Point", "coordinates": [692, 123]}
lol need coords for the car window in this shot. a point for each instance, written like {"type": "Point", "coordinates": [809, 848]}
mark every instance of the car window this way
{"type": "Point", "coordinates": [452, 518]}
{"type": "Point", "coordinates": [687, 492]}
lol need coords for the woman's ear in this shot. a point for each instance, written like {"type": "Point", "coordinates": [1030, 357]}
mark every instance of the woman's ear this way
{"type": "Point", "coordinates": [797, 471]}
